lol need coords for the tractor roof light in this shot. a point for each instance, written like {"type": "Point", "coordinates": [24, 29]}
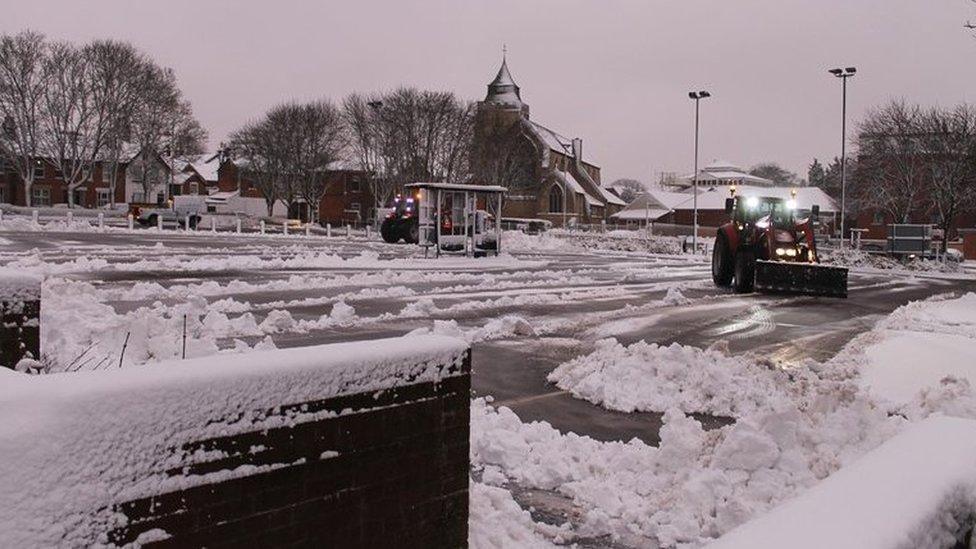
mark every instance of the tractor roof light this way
{"type": "Point", "coordinates": [752, 202]}
{"type": "Point", "coordinates": [791, 204]}
{"type": "Point", "coordinates": [732, 190]}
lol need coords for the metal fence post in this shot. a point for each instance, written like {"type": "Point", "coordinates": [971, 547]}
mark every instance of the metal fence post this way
{"type": "Point", "coordinates": [131, 220]}
{"type": "Point", "coordinates": [348, 232]}
{"type": "Point", "coordinates": [101, 220]}
{"type": "Point", "coordinates": [213, 224]}
{"type": "Point", "coordinates": [262, 226]}
{"type": "Point", "coordinates": [284, 228]}
{"type": "Point", "coordinates": [71, 216]}
{"type": "Point", "coordinates": [159, 222]}
{"type": "Point", "coordinates": [238, 225]}
{"type": "Point", "coordinates": [328, 230]}
{"type": "Point", "coordinates": [34, 216]}
{"type": "Point", "coordinates": [308, 229]}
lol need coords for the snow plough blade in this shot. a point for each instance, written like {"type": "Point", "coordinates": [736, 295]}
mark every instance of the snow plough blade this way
{"type": "Point", "coordinates": [801, 278]}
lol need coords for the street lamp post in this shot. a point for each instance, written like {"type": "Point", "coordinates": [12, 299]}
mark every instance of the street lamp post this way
{"type": "Point", "coordinates": [697, 97]}
{"type": "Point", "coordinates": [843, 74]}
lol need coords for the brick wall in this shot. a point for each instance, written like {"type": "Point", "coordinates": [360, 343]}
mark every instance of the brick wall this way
{"type": "Point", "coordinates": [385, 465]}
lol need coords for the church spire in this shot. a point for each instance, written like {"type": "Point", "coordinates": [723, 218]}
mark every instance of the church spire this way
{"type": "Point", "coordinates": [503, 90]}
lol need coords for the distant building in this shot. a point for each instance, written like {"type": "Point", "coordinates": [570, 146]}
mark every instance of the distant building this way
{"type": "Point", "coordinates": [50, 187]}
{"type": "Point", "coordinates": [719, 173]}
{"type": "Point", "coordinates": [678, 208]}
{"type": "Point", "coordinates": [546, 174]}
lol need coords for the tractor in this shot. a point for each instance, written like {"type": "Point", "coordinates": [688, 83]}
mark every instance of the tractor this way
{"type": "Point", "coordinates": [766, 247]}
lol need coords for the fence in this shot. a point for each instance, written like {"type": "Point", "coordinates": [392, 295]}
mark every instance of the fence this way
{"type": "Point", "coordinates": [351, 444]}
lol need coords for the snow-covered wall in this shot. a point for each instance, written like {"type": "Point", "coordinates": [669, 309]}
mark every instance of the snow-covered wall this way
{"type": "Point", "coordinates": [325, 444]}
{"type": "Point", "coordinates": [20, 303]}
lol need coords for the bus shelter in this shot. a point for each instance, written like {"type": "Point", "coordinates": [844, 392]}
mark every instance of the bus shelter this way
{"type": "Point", "coordinates": [457, 218]}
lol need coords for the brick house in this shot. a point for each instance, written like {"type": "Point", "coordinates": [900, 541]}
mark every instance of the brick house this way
{"type": "Point", "coordinates": [50, 188]}
{"type": "Point", "coordinates": [347, 199]}
{"type": "Point", "coordinates": [546, 174]}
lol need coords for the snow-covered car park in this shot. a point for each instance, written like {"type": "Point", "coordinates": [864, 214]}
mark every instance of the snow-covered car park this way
{"type": "Point", "coordinates": [621, 400]}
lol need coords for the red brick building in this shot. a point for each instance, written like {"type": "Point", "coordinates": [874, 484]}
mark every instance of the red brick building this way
{"type": "Point", "coordinates": [50, 188]}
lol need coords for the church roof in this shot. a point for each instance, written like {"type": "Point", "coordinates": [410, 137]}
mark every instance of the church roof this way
{"type": "Point", "coordinates": [503, 90]}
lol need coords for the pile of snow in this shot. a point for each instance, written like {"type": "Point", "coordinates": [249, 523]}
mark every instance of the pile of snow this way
{"type": "Point", "coordinates": [505, 327]}
{"type": "Point", "coordinates": [649, 377]}
{"type": "Point", "coordinates": [916, 490]}
{"type": "Point", "coordinates": [849, 257]}
{"type": "Point", "coordinates": [72, 445]}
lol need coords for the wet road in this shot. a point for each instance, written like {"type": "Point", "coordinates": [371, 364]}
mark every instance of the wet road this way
{"type": "Point", "coordinates": [571, 301]}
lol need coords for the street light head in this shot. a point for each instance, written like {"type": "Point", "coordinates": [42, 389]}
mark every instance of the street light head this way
{"type": "Point", "coordinates": [836, 72]}
{"type": "Point", "coordinates": [704, 94]}
{"type": "Point", "coordinates": [851, 70]}
{"type": "Point", "coordinates": [693, 95]}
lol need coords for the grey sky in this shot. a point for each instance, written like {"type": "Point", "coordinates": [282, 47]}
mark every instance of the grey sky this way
{"type": "Point", "coordinates": [615, 73]}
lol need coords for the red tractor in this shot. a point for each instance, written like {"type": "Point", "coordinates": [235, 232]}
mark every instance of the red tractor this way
{"type": "Point", "coordinates": [766, 247]}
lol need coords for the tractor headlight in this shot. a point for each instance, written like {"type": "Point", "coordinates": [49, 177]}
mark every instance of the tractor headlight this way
{"type": "Point", "coordinates": [791, 204]}
{"type": "Point", "coordinates": [780, 251]}
{"type": "Point", "coordinates": [752, 202]}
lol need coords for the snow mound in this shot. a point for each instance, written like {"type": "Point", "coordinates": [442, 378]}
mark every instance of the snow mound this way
{"type": "Point", "coordinates": [649, 377]}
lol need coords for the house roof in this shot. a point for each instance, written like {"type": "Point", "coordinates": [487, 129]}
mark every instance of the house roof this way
{"type": "Point", "coordinates": [503, 90]}
{"type": "Point", "coordinates": [611, 197]}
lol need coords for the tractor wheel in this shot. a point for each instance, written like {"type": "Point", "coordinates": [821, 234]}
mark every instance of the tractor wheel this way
{"type": "Point", "coordinates": [745, 271]}
{"type": "Point", "coordinates": [413, 233]}
{"type": "Point", "coordinates": [722, 267]}
{"type": "Point", "coordinates": [389, 233]}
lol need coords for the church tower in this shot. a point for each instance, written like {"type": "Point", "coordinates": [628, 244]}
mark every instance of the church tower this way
{"type": "Point", "coordinates": [503, 104]}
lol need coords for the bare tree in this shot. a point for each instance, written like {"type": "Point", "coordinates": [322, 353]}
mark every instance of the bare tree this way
{"type": "Point", "coordinates": [949, 138]}
{"type": "Point", "coordinates": [410, 135]}
{"type": "Point", "coordinates": [257, 150]}
{"type": "Point", "coordinates": [319, 141]}
{"type": "Point", "coordinates": [70, 121]}
{"type": "Point", "coordinates": [162, 122]}
{"type": "Point", "coordinates": [118, 72]}
{"type": "Point", "coordinates": [891, 161]}
{"type": "Point", "coordinates": [21, 102]}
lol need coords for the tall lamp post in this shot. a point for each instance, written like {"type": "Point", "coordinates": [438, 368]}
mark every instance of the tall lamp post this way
{"type": "Point", "coordinates": [843, 74]}
{"type": "Point", "coordinates": [697, 97]}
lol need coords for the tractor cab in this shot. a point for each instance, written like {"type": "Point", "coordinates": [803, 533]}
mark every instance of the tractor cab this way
{"type": "Point", "coordinates": [762, 210]}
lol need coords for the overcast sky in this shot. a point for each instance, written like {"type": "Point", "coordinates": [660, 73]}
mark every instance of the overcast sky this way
{"type": "Point", "coordinates": [615, 73]}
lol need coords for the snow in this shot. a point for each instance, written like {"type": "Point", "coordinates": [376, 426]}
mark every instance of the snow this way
{"type": "Point", "coordinates": [793, 429]}
{"type": "Point", "coordinates": [918, 489]}
{"type": "Point", "coordinates": [73, 444]}
{"type": "Point", "coordinates": [18, 285]}
{"type": "Point", "coordinates": [497, 521]}
{"type": "Point", "coordinates": [919, 345]}
{"type": "Point", "coordinates": [649, 377]}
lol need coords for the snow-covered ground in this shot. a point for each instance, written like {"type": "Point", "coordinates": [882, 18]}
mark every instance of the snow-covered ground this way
{"type": "Point", "coordinates": [793, 429]}
{"type": "Point", "coordinates": [614, 327]}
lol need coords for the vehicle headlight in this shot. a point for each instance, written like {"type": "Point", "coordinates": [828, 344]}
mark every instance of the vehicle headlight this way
{"type": "Point", "coordinates": [780, 251]}
{"type": "Point", "coordinates": [791, 204]}
{"type": "Point", "coordinates": [752, 202]}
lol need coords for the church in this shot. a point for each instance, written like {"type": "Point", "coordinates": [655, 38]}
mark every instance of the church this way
{"type": "Point", "coordinates": [546, 174]}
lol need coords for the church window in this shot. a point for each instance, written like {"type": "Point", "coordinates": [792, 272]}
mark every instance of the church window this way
{"type": "Point", "coordinates": [555, 199]}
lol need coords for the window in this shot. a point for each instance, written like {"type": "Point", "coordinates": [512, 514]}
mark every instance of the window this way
{"type": "Point", "coordinates": [355, 206]}
{"type": "Point", "coordinates": [352, 186]}
{"type": "Point", "coordinates": [39, 170]}
{"type": "Point", "coordinates": [555, 199]}
{"type": "Point", "coordinates": [175, 190]}
{"type": "Point", "coordinates": [40, 196]}
{"type": "Point", "coordinates": [159, 199]}
{"type": "Point", "coordinates": [138, 197]}
{"type": "Point", "coordinates": [194, 188]}
{"type": "Point", "coordinates": [104, 197]}
{"type": "Point", "coordinates": [106, 172]}
{"type": "Point", "coordinates": [879, 218]}
{"type": "Point", "coordinates": [936, 219]}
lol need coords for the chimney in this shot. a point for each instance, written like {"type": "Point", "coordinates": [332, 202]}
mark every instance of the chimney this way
{"type": "Point", "coordinates": [578, 150]}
